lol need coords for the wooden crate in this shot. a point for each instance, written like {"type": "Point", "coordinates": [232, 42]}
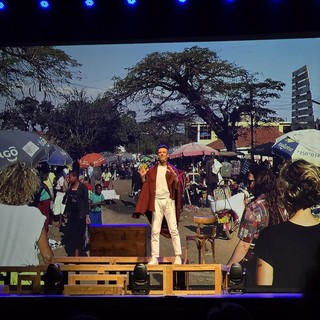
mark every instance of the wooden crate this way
{"type": "Point", "coordinates": [117, 273]}
{"type": "Point", "coordinates": [122, 240]}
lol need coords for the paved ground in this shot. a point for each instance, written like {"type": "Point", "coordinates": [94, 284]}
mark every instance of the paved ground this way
{"type": "Point", "coordinates": [120, 211]}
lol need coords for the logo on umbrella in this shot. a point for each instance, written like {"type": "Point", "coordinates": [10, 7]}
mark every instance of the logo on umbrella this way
{"type": "Point", "coordinates": [11, 154]}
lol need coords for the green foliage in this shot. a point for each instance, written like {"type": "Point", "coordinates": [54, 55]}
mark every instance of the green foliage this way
{"type": "Point", "coordinates": [24, 71]}
{"type": "Point", "coordinates": [177, 88]}
{"type": "Point", "coordinates": [27, 114]}
{"type": "Point", "coordinates": [79, 126]}
{"type": "Point", "coordinates": [198, 84]}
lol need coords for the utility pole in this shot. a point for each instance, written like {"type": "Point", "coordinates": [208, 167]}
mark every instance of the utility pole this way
{"type": "Point", "coordinates": [252, 116]}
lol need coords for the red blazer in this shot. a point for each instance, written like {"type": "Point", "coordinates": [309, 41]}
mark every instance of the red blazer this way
{"type": "Point", "coordinates": [145, 204]}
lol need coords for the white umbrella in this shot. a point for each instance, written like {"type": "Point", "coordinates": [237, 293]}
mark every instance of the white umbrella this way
{"type": "Point", "coordinates": [192, 149]}
{"type": "Point", "coordinates": [299, 144]}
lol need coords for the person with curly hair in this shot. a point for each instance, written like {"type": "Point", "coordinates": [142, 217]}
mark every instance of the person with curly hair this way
{"type": "Point", "coordinates": [288, 252]}
{"type": "Point", "coordinates": [22, 230]}
{"type": "Point", "coordinates": [263, 210]}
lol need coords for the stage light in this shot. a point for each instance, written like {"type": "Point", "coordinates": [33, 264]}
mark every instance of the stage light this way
{"type": "Point", "coordinates": [230, 1]}
{"type": "Point", "coordinates": [236, 279]}
{"type": "Point", "coordinates": [131, 2]}
{"type": "Point", "coordinates": [53, 280]}
{"type": "Point", "coordinates": [89, 3]}
{"type": "Point", "coordinates": [44, 4]}
{"type": "Point", "coordinates": [182, 1]}
{"type": "Point", "coordinates": [2, 5]}
{"type": "Point", "coordinates": [139, 280]}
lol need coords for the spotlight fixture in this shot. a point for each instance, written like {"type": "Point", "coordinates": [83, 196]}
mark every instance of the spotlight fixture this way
{"type": "Point", "coordinates": [131, 2]}
{"type": "Point", "coordinates": [139, 280]}
{"type": "Point", "coordinates": [89, 3]}
{"type": "Point", "coordinates": [44, 4]}
{"type": "Point", "coordinates": [236, 278]}
{"type": "Point", "coordinates": [53, 280]}
{"type": "Point", "coordinates": [2, 5]}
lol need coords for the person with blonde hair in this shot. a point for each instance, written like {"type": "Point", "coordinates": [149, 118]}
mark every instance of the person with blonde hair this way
{"type": "Point", "coordinates": [22, 230]}
{"type": "Point", "coordinates": [287, 252]}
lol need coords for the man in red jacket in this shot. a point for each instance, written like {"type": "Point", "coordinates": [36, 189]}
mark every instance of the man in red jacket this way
{"type": "Point", "coordinates": [161, 196]}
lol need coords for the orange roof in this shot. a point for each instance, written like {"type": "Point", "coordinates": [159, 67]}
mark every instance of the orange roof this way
{"type": "Point", "coordinates": [261, 135]}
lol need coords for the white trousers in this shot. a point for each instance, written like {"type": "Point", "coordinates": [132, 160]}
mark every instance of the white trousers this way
{"type": "Point", "coordinates": [164, 208]}
{"type": "Point", "coordinates": [58, 206]}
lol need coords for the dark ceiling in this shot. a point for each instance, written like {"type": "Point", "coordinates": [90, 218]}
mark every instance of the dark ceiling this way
{"type": "Point", "coordinates": [112, 21]}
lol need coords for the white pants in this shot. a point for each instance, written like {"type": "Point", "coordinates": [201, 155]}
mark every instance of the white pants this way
{"type": "Point", "coordinates": [164, 208]}
{"type": "Point", "coordinates": [58, 206]}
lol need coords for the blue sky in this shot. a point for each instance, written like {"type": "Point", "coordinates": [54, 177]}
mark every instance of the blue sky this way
{"type": "Point", "coordinates": [275, 59]}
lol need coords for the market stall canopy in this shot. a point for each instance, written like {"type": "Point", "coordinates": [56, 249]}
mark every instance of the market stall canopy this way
{"type": "Point", "coordinates": [97, 159]}
{"type": "Point", "coordinates": [230, 154]}
{"type": "Point", "coordinates": [263, 149]}
{"type": "Point", "coordinates": [59, 157]}
{"type": "Point", "coordinates": [192, 149]}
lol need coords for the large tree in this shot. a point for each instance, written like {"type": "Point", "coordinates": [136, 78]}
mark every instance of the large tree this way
{"type": "Point", "coordinates": [27, 115]}
{"type": "Point", "coordinates": [24, 71]}
{"type": "Point", "coordinates": [196, 82]}
{"type": "Point", "coordinates": [83, 126]}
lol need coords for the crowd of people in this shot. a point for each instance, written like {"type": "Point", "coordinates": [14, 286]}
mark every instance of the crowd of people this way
{"type": "Point", "coordinates": [278, 232]}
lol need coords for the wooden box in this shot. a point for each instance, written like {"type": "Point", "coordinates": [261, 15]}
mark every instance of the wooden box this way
{"type": "Point", "coordinates": [120, 240]}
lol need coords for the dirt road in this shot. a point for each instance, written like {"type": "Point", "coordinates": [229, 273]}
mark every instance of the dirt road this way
{"type": "Point", "coordinates": [120, 211]}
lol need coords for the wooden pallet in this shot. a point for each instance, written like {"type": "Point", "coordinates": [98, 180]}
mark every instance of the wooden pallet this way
{"type": "Point", "coordinates": [96, 284]}
{"type": "Point", "coordinates": [117, 269]}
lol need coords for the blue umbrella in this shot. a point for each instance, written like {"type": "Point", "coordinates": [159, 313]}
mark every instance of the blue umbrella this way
{"type": "Point", "coordinates": [59, 157]}
{"type": "Point", "coordinates": [17, 145]}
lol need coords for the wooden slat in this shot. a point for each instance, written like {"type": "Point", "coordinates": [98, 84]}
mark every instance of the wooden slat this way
{"type": "Point", "coordinates": [120, 279]}
{"type": "Point", "coordinates": [65, 260]}
{"type": "Point", "coordinates": [73, 289]}
{"type": "Point", "coordinates": [40, 268]}
{"type": "Point", "coordinates": [108, 260]}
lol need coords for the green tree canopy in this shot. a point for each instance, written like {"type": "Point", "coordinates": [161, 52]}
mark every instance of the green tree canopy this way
{"type": "Point", "coordinates": [82, 126]}
{"type": "Point", "coordinates": [196, 82]}
{"type": "Point", "coordinates": [79, 126]}
{"type": "Point", "coordinates": [27, 114]}
{"type": "Point", "coordinates": [27, 70]}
